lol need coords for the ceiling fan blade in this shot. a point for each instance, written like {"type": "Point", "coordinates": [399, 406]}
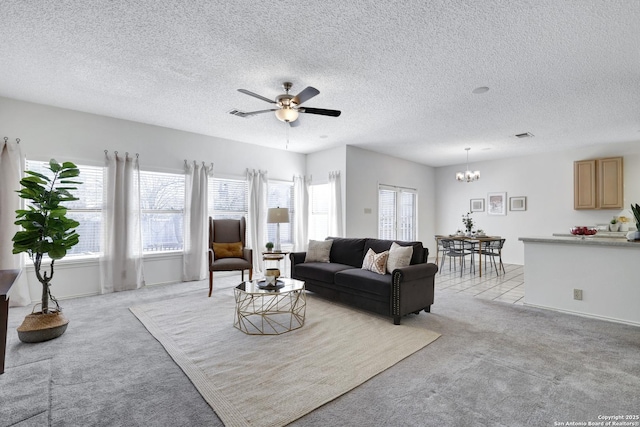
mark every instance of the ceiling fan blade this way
{"type": "Point", "coordinates": [255, 95]}
{"type": "Point", "coordinates": [305, 95]}
{"type": "Point", "coordinates": [321, 111]}
{"type": "Point", "coordinates": [239, 113]}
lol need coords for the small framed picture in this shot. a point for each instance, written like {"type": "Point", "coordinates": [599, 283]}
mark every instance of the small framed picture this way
{"type": "Point", "coordinates": [497, 203]}
{"type": "Point", "coordinates": [477, 205]}
{"type": "Point", "coordinates": [518, 203]}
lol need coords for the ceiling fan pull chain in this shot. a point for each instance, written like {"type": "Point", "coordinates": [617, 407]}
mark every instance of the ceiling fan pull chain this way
{"type": "Point", "coordinates": [287, 145]}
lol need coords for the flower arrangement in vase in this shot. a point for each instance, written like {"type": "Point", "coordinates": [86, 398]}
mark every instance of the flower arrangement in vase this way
{"type": "Point", "coordinates": [468, 222]}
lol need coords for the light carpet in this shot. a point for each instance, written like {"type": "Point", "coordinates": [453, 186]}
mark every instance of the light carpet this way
{"type": "Point", "coordinates": [254, 380]}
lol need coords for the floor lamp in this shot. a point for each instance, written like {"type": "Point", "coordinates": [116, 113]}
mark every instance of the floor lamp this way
{"type": "Point", "coordinates": [278, 216]}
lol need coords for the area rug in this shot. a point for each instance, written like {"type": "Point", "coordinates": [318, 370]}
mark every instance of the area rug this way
{"type": "Point", "coordinates": [253, 380]}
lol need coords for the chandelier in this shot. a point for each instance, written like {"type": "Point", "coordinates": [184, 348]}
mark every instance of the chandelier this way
{"type": "Point", "coordinates": [467, 175]}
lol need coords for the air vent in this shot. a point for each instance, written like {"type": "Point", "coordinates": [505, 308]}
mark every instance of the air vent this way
{"type": "Point", "coordinates": [524, 135]}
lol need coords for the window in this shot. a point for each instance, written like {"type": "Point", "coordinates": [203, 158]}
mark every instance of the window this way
{"type": "Point", "coordinates": [228, 198]}
{"type": "Point", "coordinates": [280, 195]}
{"type": "Point", "coordinates": [162, 206]}
{"type": "Point", "coordinates": [319, 215]}
{"type": "Point", "coordinates": [397, 213]}
{"type": "Point", "coordinates": [87, 210]}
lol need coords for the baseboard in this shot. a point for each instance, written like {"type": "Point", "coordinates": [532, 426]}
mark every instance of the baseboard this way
{"type": "Point", "coordinates": [590, 316]}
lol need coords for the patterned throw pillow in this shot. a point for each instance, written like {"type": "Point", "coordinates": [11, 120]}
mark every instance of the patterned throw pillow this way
{"type": "Point", "coordinates": [375, 262]}
{"type": "Point", "coordinates": [319, 251]}
{"type": "Point", "coordinates": [228, 250]}
{"type": "Point", "coordinates": [399, 256]}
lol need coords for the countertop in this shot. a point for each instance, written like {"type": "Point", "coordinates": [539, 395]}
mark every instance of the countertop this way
{"type": "Point", "coordinates": [590, 241]}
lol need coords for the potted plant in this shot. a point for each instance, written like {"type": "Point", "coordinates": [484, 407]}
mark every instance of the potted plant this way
{"type": "Point", "coordinates": [46, 230]}
{"type": "Point", "coordinates": [613, 225]}
{"type": "Point", "coordinates": [635, 235]}
{"type": "Point", "coordinates": [468, 222]}
{"type": "Point", "coordinates": [269, 246]}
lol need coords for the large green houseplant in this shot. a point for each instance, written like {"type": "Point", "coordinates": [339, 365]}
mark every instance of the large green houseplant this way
{"type": "Point", "coordinates": [46, 230]}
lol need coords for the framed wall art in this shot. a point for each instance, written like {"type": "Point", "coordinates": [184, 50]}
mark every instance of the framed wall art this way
{"type": "Point", "coordinates": [518, 203]}
{"type": "Point", "coordinates": [477, 205]}
{"type": "Point", "coordinates": [497, 203]}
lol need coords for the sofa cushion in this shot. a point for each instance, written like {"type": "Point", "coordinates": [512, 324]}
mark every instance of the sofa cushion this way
{"type": "Point", "coordinates": [347, 251]}
{"type": "Point", "coordinates": [365, 281]}
{"type": "Point", "coordinates": [399, 256]}
{"type": "Point", "coordinates": [318, 271]}
{"type": "Point", "coordinates": [375, 262]}
{"type": "Point", "coordinates": [318, 251]}
{"type": "Point", "coordinates": [379, 245]}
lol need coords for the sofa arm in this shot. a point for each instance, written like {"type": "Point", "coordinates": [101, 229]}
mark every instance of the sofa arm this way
{"type": "Point", "coordinates": [412, 289]}
{"type": "Point", "coordinates": [296, 258]}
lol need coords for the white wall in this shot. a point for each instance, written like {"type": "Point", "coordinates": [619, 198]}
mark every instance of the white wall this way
{"type": "Point", "coordinates": [547, 182]}
{"type": "Point", "coordinates": [49, 132]}
{"type": "Point", "coordinates": [365, 170]}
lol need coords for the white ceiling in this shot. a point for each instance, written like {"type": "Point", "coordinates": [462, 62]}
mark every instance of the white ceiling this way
{"type": "Point", "coordinates": [402, 73]}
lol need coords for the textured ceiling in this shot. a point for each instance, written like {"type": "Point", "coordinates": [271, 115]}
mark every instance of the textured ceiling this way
{"type": "Point", "coordinates": [402, 73]}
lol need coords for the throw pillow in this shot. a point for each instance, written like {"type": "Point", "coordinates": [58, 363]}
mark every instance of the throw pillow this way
{"type": "Point", "coordinates": [399, 256]}
{"type": "Point", "coordinates": [228, 250]}
{"type": "Point", "coordinates": [319, 251]}
{"type": "Point", "coordinates": [375, 262]}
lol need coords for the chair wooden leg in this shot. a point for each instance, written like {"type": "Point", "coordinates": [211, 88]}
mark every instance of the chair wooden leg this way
{"type": "Point", "coordinates": [242, 275]}
{"type": "Point", "coordinates": [210, 282]}
{"type": "Point", "coordinates": [250, 274]}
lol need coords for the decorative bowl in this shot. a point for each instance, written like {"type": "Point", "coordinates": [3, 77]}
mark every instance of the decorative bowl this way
{"type": "Point", "coordinates": [581, 230]}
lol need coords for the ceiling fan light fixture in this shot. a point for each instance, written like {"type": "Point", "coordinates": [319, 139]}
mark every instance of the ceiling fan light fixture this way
{"type": "Point", "coordinates": [287, 115]}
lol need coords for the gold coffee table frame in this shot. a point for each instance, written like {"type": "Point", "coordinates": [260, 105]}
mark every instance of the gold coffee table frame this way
{"type": "Point", "coordinates": [270, 311]}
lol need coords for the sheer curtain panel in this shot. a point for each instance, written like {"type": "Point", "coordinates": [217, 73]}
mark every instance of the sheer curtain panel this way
{"type": "Point", "coordinates": [335, 205]}
{"type": "Point", "coordinates": [257, 215]}
{"type": "Point", "coordinates": [196, 217]}
{"type": "Point", "coordinates": [301, 208]}
{"type": "Point", "coordinates": [11, 168]}
{"type": "Point", "coordinates": [121, 261]}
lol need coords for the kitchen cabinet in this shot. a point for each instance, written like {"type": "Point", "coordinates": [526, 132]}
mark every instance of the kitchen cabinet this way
{"type": "Point", "coordinates": [598, 184]}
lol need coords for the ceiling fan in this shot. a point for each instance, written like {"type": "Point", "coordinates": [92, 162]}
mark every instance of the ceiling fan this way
{"type": "Point", "coordinates": [288, 106]}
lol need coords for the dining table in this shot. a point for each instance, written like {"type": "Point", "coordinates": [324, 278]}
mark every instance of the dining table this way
{"type": "Point", "coordinates": [472, 239]}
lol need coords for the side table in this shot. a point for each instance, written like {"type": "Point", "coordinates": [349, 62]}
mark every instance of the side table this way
{"type": "Point", "coordinates": [276, 257]}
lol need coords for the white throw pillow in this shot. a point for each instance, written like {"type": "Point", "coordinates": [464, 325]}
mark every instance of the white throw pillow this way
{"type": "Point", "coordinates": [319, 251]}
{"type": "Point", "coordinates": [375, 262]}
{"type": "Point", "coordinates": [399, 256]}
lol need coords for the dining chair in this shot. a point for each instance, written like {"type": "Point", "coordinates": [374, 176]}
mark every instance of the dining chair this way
{"type": "Point", "coordinates": [493, 249]}
{"type": "Point", "coordinates": [457, 250]}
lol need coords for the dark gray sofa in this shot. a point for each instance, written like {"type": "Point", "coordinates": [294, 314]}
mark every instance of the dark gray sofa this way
{"type": "Point", "coordinates": [406, 290]}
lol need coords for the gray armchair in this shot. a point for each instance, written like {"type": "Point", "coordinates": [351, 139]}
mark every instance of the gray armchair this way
{"type": "Point", "coordinates": [227, 251]}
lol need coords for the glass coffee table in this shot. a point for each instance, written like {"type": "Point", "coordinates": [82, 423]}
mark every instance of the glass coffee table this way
{"type": "Point", "coordinates": [269, 311]}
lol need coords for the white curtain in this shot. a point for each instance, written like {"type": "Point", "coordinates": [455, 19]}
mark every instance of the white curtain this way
{"type": "Point", "coordinates": [335, 205]}
{"type": "Point", "coordinates": [196, 216]}
{"type": "Point", "coordinates": [301, 209]}
{"type": "Point", "coordinates": [257, 217]}
{"type": "Point", "coordinates": [11, 168]}
{"type": "Point", "coordinates": [121, 262]}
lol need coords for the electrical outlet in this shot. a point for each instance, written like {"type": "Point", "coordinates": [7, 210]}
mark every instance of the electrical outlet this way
{"type": "Point", "coordinates": [577, 294]}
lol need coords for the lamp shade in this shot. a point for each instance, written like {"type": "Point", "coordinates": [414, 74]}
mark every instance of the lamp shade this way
{"type": "Point", "coordinates": [277, 215]}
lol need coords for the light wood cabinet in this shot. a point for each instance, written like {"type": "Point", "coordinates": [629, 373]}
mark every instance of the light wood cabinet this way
{"type": "Point", "coordinates": [597, 184]}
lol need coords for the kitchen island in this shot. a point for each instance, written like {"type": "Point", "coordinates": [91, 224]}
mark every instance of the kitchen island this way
{"type": "Point", "coordinates": [604, 271]}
